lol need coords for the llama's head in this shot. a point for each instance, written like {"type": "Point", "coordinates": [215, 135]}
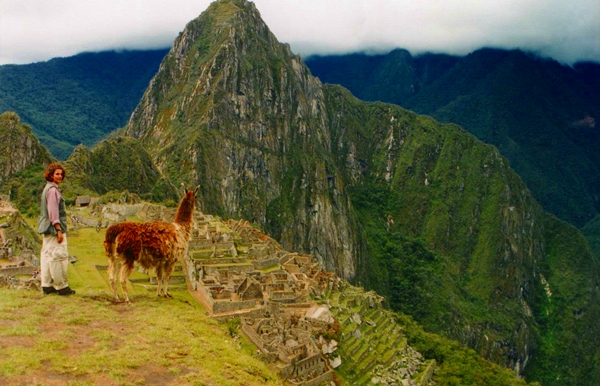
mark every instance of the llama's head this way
{"type": "Point", "coordinates": [186, 205]}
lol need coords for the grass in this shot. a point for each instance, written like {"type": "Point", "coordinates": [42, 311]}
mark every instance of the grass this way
{"type": "Point", "coordinates": [87, 339]}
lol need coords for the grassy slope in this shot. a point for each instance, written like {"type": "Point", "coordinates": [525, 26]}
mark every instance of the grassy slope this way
{"type": "Point", "coordinates": [87, 339]}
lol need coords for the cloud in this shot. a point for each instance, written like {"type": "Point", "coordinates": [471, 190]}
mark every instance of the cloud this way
{"type": "Point", "coordinates": [33, 30]}
{"type": "Point", "coordinates": [568, 31]}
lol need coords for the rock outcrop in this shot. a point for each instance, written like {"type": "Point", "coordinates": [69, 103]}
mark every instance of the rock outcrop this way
{"type": "Point", "coordinates": [233, 108]}
{"type": "Point", "coordinates": [19, 148]}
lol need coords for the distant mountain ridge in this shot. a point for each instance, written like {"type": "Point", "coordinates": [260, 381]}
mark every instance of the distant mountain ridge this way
{"type": "Point", "coordinates": [79, 99]}
{"type": "Point", "coordinates": [541, 115]}
{"type": "Point", "coordinates": [107, 85]}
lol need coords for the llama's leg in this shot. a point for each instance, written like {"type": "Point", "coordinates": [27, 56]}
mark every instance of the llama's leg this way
{"type": "Point", "coordinates": [112, 275]}
{"type": "Point", "coordinates": [159, 278]}
{"type": "Point", "coordinates": [124, 273]}
{"type": "Point", "coordinates": [166, 277]}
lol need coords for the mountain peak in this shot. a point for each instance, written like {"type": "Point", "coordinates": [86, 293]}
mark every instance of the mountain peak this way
{"type": "Point", "coordinates": [226, 71]}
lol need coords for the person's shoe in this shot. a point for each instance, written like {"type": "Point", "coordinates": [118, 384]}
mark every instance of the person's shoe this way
{"type": "Point", "coordinates": [49, 290]}
{"type": "Point", "coordinates": [66, 291]}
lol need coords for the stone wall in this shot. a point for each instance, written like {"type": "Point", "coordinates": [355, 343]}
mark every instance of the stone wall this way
{"type": "Point", "coordinates": [220, 307]}
{"type": "Point", "coordinates": [264, 264]}
{"type": "Point", "coordinates": [14, 271]}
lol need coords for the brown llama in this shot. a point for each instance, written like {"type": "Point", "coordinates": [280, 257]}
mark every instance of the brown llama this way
{"type": "Point", "coordinates": [154, 244]}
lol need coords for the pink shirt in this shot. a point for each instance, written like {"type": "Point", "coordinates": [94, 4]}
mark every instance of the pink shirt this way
{"type": "Point", "coordinates": [52, 199]}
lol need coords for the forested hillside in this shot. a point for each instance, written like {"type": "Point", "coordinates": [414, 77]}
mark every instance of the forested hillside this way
{"type": "Point", "coordinates": [540, 114]}
{"type": "Point", "coordinates": [80, 99]}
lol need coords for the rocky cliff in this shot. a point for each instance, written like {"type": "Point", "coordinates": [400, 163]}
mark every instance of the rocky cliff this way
{"type": "Point", "coordinates": [423, 212]}
{"type": "Point", "coordinates": [233, 109]}
{"type": "Point", "coordinates": [19, 148]}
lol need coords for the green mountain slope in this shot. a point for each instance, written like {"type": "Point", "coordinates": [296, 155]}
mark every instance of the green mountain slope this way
{"type": "Point", "coordinates": [421, 211]}
{"type": "Point", "coordinates": [112, 166]}
{"type": "Point", "coordinates": [80, 99]}
{"type": "Point", "coordinates": [536, 111]}
{"type": "Point", "coordinates": [19, 147]}
{"type": "Point", "coordinates": [22, 155]}
{"type": "Point", "coordinates": [592, 234]}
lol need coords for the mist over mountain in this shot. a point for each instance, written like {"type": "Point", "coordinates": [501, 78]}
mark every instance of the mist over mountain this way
{"type": "Point", "coordinates": [79, 99]}
{"type": "Point", "coordinates": [541, 115]}
{"type": "Point", "coordinates": [423, 212]}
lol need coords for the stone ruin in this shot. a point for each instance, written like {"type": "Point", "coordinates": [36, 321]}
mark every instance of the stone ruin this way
{"type": "Point", "coordinates": [238, 271]}
{"type": "Point", "coordinates": [18, 257]}
{"type": "Point", "coordinates": [305, 321]}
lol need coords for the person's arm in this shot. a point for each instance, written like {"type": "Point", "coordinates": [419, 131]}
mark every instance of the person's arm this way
{"type": "Point", "coordinates": [52, 200]}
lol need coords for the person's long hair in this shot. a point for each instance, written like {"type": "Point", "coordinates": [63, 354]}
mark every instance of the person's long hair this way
{"type": "Point", "coordinates": [51, 169]}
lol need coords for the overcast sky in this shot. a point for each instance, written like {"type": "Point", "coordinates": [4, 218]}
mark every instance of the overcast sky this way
{"type": "Point", "coordinates": [567, 30]}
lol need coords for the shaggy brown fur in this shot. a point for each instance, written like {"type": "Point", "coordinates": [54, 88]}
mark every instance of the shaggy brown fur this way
{"type": "Point", "coordinates": [155, 244]}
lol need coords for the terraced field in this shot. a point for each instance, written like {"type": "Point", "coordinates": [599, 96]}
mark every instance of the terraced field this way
{"type": "Point", "coordinates": [374, 349]}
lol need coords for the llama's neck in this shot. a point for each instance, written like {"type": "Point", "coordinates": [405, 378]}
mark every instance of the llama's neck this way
{"type": "Point", "coordinates": [184, 215]}
{"type": "Point", "coordinates": [185, 211]}
{"type": "Point", "coordinates": [185, 229]}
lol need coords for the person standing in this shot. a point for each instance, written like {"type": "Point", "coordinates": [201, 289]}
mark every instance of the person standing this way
{"type": "Point", "coordinates": [52, 224]}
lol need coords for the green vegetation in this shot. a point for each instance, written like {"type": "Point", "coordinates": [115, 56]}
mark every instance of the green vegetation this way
{"type": "Point", "coordinates": [19, 149]}
{"type": "Point", "coordinates": [440, 246]}
{"type": "Point", "coordinates": [87, 339]}
{"type": "Point", "coordinates": [122, 164]}
{"type": "Point", "coordinates": [569, 312]}
{"type": "Point", "coordinates": [456, 364]}
{"type": "Point", "coordinates": [422, 212]}
{"type": "Point", "coordinates": [591, 232]}
{"type": "Point", "coordinates": [384, 336]}
{"type": "Point", "coordinates": [118, 164]}
{"type": "Point", "coordinates": [536, 111]}
{"type": "Point", "coordinates": [80, 99]}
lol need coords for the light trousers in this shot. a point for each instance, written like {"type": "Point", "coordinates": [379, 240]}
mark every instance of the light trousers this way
{"type": "Point", "coordinates": [54, 262]}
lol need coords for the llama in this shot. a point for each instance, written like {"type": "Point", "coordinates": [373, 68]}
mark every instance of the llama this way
{"type": "Point", "coordinates": [154, 244]}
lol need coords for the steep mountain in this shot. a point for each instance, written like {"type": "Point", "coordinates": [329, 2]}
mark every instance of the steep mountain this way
{"type": "Point", "coordinates": [19, 148]}
{"type": "Point", "coordinates": [421, 211]}
{"type": "Point", "coordinates": [77, 100]}
{"type": "Point", "coordinates": [536, 111]}
{"type": "Point", "coordinates": [233, 109]}
{"type": "Point", "coordinates": [114, 165]}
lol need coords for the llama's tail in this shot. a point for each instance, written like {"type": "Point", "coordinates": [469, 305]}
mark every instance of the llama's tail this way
{"type": "Point", "coordinates": [129, 243]}
{"type": "Point", "coordinates": [112, 232]}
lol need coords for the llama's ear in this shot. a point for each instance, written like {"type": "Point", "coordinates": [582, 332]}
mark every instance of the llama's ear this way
{"type": "Point", "coordinates": [183, 188]}
{"type": "Point", "coordinates": [196, 190]}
